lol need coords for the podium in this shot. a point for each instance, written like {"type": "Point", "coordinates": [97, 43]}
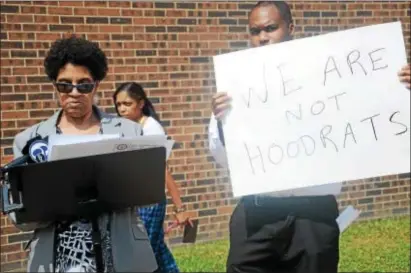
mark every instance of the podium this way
{"type": "Point", "coordinates": [85, 187]}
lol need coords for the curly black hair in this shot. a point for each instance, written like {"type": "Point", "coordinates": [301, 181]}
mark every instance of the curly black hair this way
{"type": "Point", "coordinates": [77, 51]}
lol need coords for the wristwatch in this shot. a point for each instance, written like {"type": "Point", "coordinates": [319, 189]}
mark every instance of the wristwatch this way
{"type": "Point", "coordinates": [179, 210]}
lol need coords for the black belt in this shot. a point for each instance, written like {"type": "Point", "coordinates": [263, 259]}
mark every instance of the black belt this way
{"type": "Point", "coordinates": [266, 200]}
{"type": "Point", "coordinates": [321, 208]}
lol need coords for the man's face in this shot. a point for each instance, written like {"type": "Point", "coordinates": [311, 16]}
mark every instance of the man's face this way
{"type": "Point", "coordinates": [268, 27]}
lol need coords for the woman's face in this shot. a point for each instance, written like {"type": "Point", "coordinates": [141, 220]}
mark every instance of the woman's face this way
{"type": "Point", "coordinates": [75, 101]}
{"type": "Point", "coordinates": [128, 107]}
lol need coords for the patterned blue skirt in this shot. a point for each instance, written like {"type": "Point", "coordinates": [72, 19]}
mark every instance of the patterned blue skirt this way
{"type": "Point", "coordinates": [153, 218]}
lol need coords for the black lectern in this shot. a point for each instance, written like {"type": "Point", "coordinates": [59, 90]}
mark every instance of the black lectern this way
{"type": "Point", "coordinates": [84, 187]}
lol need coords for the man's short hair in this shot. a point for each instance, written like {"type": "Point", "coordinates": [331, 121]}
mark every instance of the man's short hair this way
{"type": "Point", "coordinates": [282, 7]}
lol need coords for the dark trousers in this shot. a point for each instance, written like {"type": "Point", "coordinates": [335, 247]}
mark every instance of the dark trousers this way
{"type": "Point", "coordinates": [284, 234]}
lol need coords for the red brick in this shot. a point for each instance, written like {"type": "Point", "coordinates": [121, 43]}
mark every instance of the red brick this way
{"type": "Point", "coordinates": [372, 6]}
{"type": "Point", "coordinates": [355, 6]}
{"type": "Point", "coordinates": [25, 71]}
{"type": "Point", "coordinates": [33, 62]}
{"type": "Point", "coordinates": [12, 27]}
{"type": "Point", "coordinates": [21, 36]}
{"type": "Point", "coordinates": [26, 123]}
{"type": "Point", "coordinates": [46, 19]}
{"type": "Point", "coordinates": [16, 256]}
{"type": "Point", "coordinates": [14, 114]}
{"type": "Point", "coordinates": [11, 247]}
{"type": "Point", "coordinates": [109, 28]}
{"type": "Point", "coordinates": [87, 28]}
{"type": "Point", "coordinates": [131, 12]}
{"type": "Point", "coordinates": [35, 27]}
{"type": "Point", "coordinates": [132, 29]}
{"type": "Point", "coordinates": [119, 4]}
{"type": "Point", "coordinates": [8, 124]}
{"type": "Point", "coordinates": [33, 10]}
{"type": "Point", "coordinates": [108, 12]}
{"type": "Point", "coordinates": [19, 18]}
{"type": "Point", "coordinates": [100, 4]}
{"type": "Point", "coordinates": [4, 239]}
{"type": "Point", "coordinates": [142, 5]}
{"type": "Point", "coordinates": [125, 69]}
{"type": "Point", "coordinates": [176, 13]}
{"type": "Point", "coordinates": [71, 3]}
{"type": "Point", "coordinates": [397, 13]}
{"type": "Point", "coordinates": [5, 106]}
{"type": "Point", "coordinates": [321, 6]}
{"type": "Point", "coordinates": [85, 11]}
{"type": "Point", "coordinates": [61, 10]}
{"type": "Point", "coordinates": [48, 3]}
{"type": "Point", "coordinates": [381, 13]}
{"type": "Point", "coordinates": [165, 21]}
{"type": "Point", "coordinates": [41, 113]}
{"type": "Point", "coordinates": [219, 45]}
{"type": "Point", "coordinates": [143, 21]}
{"type": "Point", "coordinates": [48, 36]}
{"type": "Point", "coordinates": [5, 71]}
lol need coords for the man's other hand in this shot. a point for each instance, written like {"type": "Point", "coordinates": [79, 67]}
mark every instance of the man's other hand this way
{"type": "Point", "coordinates": [405, 76]}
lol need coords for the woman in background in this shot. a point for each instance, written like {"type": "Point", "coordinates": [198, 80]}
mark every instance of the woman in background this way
{"type": "Point", "coordinates": [131, 102]}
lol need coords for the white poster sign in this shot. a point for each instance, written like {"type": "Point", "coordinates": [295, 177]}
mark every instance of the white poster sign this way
{"type": "Point", "coordinates": [317, 110]}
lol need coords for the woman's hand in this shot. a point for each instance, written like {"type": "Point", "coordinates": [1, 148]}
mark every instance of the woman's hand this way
{"type": "Point", "coordinates": [181, 218]}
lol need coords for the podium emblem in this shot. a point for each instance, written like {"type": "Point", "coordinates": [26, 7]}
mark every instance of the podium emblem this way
{"type": "Point", "coordinates": [121, 147]}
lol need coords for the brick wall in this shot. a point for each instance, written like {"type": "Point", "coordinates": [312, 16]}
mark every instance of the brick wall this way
{"type": "Point", "coordinates": [167, 47]}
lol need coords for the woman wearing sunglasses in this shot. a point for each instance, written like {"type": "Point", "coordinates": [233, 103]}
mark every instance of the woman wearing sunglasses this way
{"type": "Point", "coordinates": [76, 67]}
{"type": "Point", "coordinates": [131, 102]}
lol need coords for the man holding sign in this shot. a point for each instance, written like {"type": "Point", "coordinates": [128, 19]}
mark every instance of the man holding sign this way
{"type": "Point", "coordinates": [286, 231]}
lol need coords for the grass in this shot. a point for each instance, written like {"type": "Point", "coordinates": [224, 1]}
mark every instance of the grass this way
{"type": "Point", "coordinates": [374, 246]}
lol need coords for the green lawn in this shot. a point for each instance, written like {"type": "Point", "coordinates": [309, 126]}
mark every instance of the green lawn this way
{"type": "Point", "coordinates": [375, 246]}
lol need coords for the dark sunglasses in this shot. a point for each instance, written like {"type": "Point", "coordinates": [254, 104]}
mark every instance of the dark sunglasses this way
{"type": "Point", "coordinates": [254, 31]}
{"type": "Point", "coordinates": [83, 88]}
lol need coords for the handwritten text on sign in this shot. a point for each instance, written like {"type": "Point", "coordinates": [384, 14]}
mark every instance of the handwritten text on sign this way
{"type": "Point", "coordinates": [317, 110]}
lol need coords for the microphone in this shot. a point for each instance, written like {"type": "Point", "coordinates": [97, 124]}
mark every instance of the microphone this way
{"type": "Point", "coordinates": [35, 151]}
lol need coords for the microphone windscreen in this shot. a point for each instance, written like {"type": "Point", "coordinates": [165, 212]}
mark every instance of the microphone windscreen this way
{"type": "Point", "coordinates": [26, 148]}
{"type": "Point", "coordinates": [38, 150]}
